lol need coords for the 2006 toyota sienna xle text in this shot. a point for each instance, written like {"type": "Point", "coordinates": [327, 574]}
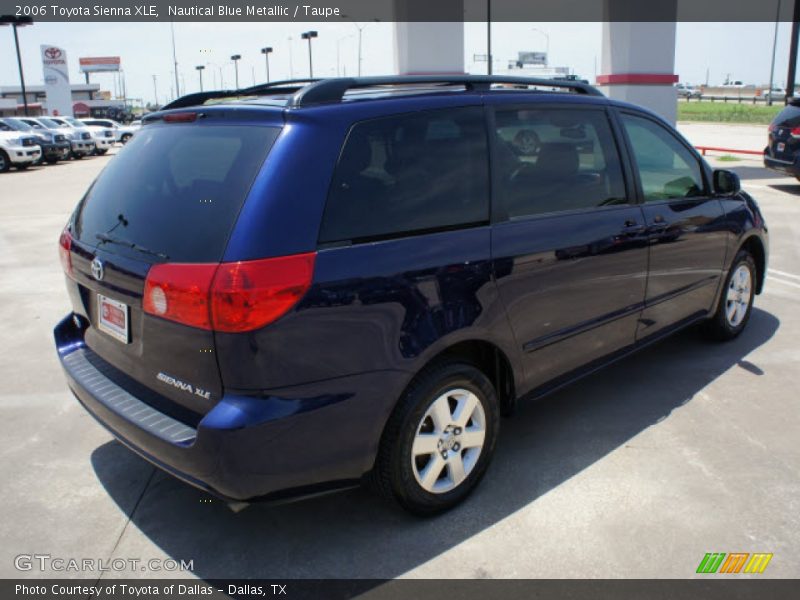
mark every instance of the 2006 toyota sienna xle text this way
{"type": "Point", "coordinates": [303, 285]}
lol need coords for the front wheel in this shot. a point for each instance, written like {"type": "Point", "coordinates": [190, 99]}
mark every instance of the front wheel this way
{"type": "Point", "coordinates": [736, 300]}
{"type": "Point", "coordinates": [5, 163]}
{"type": "Point", "coordinates": [440, 439]}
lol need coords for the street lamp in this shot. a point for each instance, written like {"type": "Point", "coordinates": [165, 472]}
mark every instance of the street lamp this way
{"type": "Point", "coordinates": [236, 58]}
{"type": "Point", "coordinates": [338, 42]}
{"type": "Point", "coordinates": [309, 35]}
{"type": "Point", "coordinates": [547, 45]}
{"type": "Point", "coordinates": [200, 72]}
{"type": "Point", "coordinates": [18, 22]}
{"type": "Point", "coordinates": [266, 52]}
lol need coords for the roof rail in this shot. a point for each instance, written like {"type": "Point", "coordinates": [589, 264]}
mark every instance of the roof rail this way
{"type": "Point", "coordinates": [288, 86]}
{"type": "Point", "coordinates": [334, 89]}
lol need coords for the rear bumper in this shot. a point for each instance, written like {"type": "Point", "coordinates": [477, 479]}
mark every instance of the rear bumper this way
{"type": "Point", "coordinates": [280, 444]}
{"type": "Point", "coordinates": [784, 166]}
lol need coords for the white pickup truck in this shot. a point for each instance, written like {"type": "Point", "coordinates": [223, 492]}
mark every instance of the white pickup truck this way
{"type": "Point", "coordinates": [122, 133]}
{"type": "Point", "coordinates": [102, 136]}
{"type": "Point", "coordinates": [18, 150]}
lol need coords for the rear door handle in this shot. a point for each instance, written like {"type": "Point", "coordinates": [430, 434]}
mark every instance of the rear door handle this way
{"type": "Point", "coordinates": [632, 227]}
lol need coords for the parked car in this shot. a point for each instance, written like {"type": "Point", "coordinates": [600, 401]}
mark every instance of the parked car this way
{"type": "Point", "coordinates": [18, 150]}
{"type": "Point", "coordinates": [122, 133]}
{"type": "Point", "coordinates": [54, 146]}
{"type": "Point", "coordinates": [777, 93]}
{"type": "Point", "coordinates": [81, 142]}
{"type": "Point", "coordinates": [687, 91]}
{"type": "Point", "coordinates": [103, 137]}
{"type": "Point", "coordinates": [354, 308]}
{"type": "Point", "coordinates": [782, 153]}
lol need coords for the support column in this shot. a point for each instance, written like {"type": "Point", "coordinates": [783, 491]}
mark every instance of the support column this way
{"type": "Point", "coordinates": [638, 64]}
{"type": "Point", "coordinates": [429, 48]}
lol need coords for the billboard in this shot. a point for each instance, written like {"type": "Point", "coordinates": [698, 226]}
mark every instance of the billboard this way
{"type": "Point", "coordinates": [56, 80]}
{"type": "Point", "coordinates": [95, 64]}
{"type": "Point", "coordinates": [532, 58]}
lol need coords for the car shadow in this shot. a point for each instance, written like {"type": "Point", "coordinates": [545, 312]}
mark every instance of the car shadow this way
{"type": "Point", "coordinates": [750, 173]}
{"type": "Point", "coordinates": [355, 534]}
{"type": "Point", "coordinates": [789, 188]}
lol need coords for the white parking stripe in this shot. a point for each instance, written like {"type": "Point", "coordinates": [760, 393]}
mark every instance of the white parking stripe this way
{"type": "Point", "coordinates": [784, 282]}
{"type": "Point", "coordinates": [785, 274]}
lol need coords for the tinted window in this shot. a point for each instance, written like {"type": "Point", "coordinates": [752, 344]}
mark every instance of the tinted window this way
{"type": "Point", "coordinates": [667, 168]}
{"type": "Point", "coordinates": [175, 190]}
{"type": "Point", "coordinates": [551, 160]}
{"type": "Point", "coordinates": [410, 173]}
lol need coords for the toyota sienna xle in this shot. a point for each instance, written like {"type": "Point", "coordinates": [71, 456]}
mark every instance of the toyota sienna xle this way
{"type": "Point", "coordinates": [303, 285]}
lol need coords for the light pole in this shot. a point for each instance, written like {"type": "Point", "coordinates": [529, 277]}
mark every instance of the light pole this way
{"type": "Point", "coordinates": [155, 91]}
{"type": "Point", "coordinates": [338, 43]}
{"type": "Point", "coordinates": [16, 22]}
{"type": "Point", "coordinates": [236, 58]}
{"type": "Point", "coordinates": [488, 37]}
{"type": "Point", "coordinates": [547, 45]}
{"type": "Point", "coordinates": [175, 59]}
{"type": "Point", "coordinates": [772, 64]}
{"type": "Point", "coordinates": [200, 72]}
{"type": "Point", "coordinates": [266, 52]}
{"type": "Point", "coordinates": [309, 35]}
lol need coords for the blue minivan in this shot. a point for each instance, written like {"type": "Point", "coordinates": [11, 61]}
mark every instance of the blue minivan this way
{"type": "Point", "coordinates": [305, 285]}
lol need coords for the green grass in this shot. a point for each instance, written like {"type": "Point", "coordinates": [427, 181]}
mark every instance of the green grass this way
{"type": "Point", "coordinates": [727, 112]}
{"type": "Point", "coordinates": [728, 158]}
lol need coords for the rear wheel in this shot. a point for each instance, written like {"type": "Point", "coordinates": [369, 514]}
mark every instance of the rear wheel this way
{"type": "Point", "coordinates": [736, 300]}
{"type": "Point", "coordinates": [4, 162]}
{"type": "Point", "coordinates": [440, 439]}
{"type": "Point", "coordinates": [125, 137]}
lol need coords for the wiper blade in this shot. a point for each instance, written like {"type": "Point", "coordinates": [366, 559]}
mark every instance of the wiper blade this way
{"type": "Point", "coordinates": [105, 238]}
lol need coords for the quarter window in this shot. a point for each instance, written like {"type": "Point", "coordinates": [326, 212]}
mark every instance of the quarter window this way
{"type": "Point", "coordinates": [554, 160]}
{"type": "Point", "coordinates": [411, 173]}
{"type": "Point", "coordinates": [667, 169]}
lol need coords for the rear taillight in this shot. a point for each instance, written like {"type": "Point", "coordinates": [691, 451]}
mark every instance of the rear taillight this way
{"type": "Point", "coordinates": [795, 132]}
{"type": "Point", "coordinates": [230, 297]}
{"type": "Point", "coordinates": [64, 251]}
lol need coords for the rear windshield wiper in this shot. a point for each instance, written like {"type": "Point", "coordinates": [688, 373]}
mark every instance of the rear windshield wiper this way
{"type": "Point", "coordinates": [105, 238]}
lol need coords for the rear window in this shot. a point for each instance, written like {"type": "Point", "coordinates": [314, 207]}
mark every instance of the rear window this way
{"type": "Point", "coordinates": [413, 173]}
{"type": "Point", "coordinates": [174, 191]}
{"type": "Point", "coordinates": [788, 116]}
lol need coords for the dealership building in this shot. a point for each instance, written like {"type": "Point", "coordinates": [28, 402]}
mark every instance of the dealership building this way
{"type": "Point", "coordinates": [87, 99]}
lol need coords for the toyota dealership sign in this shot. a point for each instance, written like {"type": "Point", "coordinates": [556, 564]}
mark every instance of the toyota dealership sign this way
{"type": "Point", "coordinates": [56, 80]}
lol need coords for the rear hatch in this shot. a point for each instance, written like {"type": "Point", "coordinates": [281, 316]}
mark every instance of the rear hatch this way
{"type": "Point", "coordinates": [170, 197]}
{"type": "Point", "coordinates": [784, 134]}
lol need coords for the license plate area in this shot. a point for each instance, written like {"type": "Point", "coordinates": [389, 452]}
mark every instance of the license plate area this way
{"type": "Point", "coordinates": [780, 146]}
{"type": "Point", "coordinates": [113, 318]}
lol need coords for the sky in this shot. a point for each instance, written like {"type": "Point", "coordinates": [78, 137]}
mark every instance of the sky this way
{"type": "Point", "coordinates": [741, 50]}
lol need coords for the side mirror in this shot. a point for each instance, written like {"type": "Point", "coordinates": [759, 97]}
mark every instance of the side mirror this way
{"type": "Point", "coordinates": [726, 183]}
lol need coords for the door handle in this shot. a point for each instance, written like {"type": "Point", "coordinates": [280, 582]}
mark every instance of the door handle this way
{"type": "Point", "coordinates": [659, 224]}
{"type": "Point", "coordinates": [632, 227]}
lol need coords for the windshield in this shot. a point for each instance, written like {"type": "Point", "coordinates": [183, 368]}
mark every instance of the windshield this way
{"type": "Point", "coordinates": [51, 123]}
{"type": "Point", "coordinates": [17, 124]}
{"type": "Point", "coordinates": [74, 122]}
{"type": "Point", "coordinates": [174, 192]}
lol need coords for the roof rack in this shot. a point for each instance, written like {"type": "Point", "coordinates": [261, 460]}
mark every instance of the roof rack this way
{"type": "Point", "coordinates": [288, 86]}
{"type": "Point", "coordinates": [334, 89]}
{"type": "Point", "coordinates": [306, 92]}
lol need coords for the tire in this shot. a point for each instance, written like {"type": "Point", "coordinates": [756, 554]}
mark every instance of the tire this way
{"type": "Point", "coordinates": [77, 156]}
{"type": "Point", "coordinates": [101, 152]}
{"type": "Point", "coordinates": [5, 163]}
{"type": "Point", "coordinates": [22, 166]}
{"type": "Point", "coordinates": [125, 137]}
{"type": "Point", "coordinates": [736, 299]}
{"type": "Point", "coordinates": [52, 161]}
{"type": "Point", "coordinates": [432, 482]}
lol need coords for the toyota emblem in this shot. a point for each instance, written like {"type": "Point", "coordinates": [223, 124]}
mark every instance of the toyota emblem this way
{"type": "Point", "coordinates": [97, 269]}
{"type": "Point", "coordinates": [52, 53]}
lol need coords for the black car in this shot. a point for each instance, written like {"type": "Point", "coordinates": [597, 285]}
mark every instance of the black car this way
{"type": "Point", "coordinates": [323, 282]}
{"type": "Point", "coordinates": [55, 146]}
{"type": "Point", "coordinates": [783, 150]}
